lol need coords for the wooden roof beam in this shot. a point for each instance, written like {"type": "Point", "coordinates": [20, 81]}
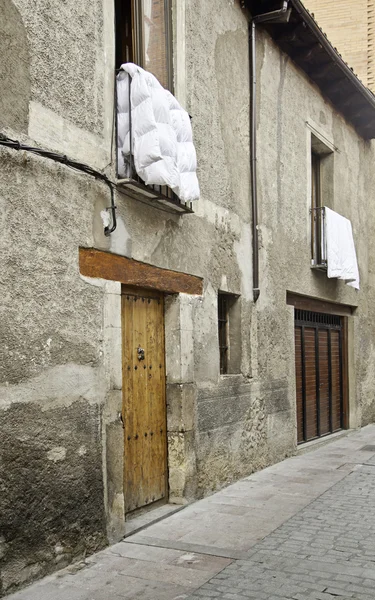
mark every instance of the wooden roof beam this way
{"type": "Point", "coordinates": [289, 34]}
{"type": "Point", "coordinates": [334, 87]}
{"type": "Point", "coordinates": [306, 54]}
{"type": "Point", "coordinates": [321, 72]}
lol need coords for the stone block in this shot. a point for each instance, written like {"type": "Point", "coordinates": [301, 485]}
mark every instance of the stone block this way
{"type": "Point", "coordinates": [181, 466]}
{"type": "Point", "coordinates": [113, 347]}
{"type": "Point", "coordinates": [112, 310]}
{"type": "Point", "coordinates": [181, 401]}
{"type": "Point", "coordinates": [112, 407]}
{"type": "Point", "coordinates": [187, 356]}
{"type": "Point", "coordinates": [222, 411]}
{"type": "Point", "coordinates": [276, 396]}
{"type": "Point", "coordinates": [114, 467]}
{"type": "Point", "coordinates": [113, 287]}
{"type": "Point", "coordinates": [172, 312]}
{"type": "Point", "coordinates": [179, 356]}
{"type": "Point", "coordinates": [62, 499]}
{"type": "Point", "coordinates": [186, 312]}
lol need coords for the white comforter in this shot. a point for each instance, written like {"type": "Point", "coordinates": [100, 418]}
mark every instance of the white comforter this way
{"type": "Point", "coordinates": [341, 254]}
{"type": "Point", "coordinates": [162, 139]}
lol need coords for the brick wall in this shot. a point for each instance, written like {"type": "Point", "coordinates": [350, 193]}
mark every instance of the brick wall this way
{"type": "Point", "coordinates": [371, 44]}
{"type": "Point", "coordinates": [350, 27]}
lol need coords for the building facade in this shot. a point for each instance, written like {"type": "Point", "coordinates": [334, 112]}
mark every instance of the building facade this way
{"type": "Point", "coordinates": [140, 367]}
{"type": "Point", "coordinates": [351, 29]}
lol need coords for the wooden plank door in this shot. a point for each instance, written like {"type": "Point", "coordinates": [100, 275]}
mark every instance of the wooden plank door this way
{"type": "Point", "coordinates": [144, 405]}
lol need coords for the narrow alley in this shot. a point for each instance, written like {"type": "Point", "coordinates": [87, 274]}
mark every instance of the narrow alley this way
{"type": "Point", "coordinates": [303, 529]}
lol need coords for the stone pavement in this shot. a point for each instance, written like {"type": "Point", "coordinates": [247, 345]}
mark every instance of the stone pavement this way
{"type": "Point", "coordinates": [325, 552]}
{"type": "Point", "coordinates": [303, 529]}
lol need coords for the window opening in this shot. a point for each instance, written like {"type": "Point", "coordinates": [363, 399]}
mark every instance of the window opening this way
{"type": "Point", "coordinates": [143, 36]}
{"type": "Point", "coordinates": [124, 32]}
{"type": "Point", "coordinates": [322, 195]}
{"type": "Point", "coordinates": [317, 209]}
{"type": "Point", "coordinates": [229, 327]}
{"type": "Point", "coordinates": [223, 333]}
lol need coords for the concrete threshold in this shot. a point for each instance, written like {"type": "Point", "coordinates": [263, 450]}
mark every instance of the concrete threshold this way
{"type": "Point", "coordinates": [323, 441]}
{"type": "Point", "coordinates": [190, 548]}
{"type": "Point", "coordinates": [138, 523]}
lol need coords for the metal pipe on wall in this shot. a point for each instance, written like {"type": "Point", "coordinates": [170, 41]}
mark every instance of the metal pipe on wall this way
{"type": "Point", "coordinates": [275, 16]}
{"type": "Point", "coordinates": [253, 159]}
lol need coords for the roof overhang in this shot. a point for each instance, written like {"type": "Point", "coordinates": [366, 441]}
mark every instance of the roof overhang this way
{"type": "Point", "coordinates": [306, 44]}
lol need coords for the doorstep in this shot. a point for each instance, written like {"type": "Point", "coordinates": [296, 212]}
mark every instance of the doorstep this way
{"type": "Point", "coordinates": [323, 441]}
{"type": "Point", "coordinates": [139, 522]}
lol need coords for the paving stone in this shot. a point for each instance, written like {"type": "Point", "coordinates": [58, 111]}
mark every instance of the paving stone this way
{"type": "Point", "coordinates": [322, 553]}
{"type": "Point", "coordinates": [300, 530]}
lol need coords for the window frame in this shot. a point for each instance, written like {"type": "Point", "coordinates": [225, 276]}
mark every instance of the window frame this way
{"type": "Point", "coordinates": [223, 331]}
{"type": "Point", "coordinates": [316, 204]}
{"type": "Point", "coordinates": [229, 333]}
{"type": "Point", "coordinates": [322, 173]}
{"type": "Point", "coordinates": [126, 10]}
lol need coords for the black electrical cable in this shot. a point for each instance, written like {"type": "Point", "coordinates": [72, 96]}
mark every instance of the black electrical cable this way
{"type": "Point", "coordinates": [73, 164]}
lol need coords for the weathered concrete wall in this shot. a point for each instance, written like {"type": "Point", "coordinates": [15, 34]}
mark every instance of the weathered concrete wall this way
{"type": "Point", "coordinates": [248, 421]}
{"type": "Point", "coordinates": [54, 379]}
{"type": "Point", "coordinates": [14, 69]}
{"type": "Point", "coordinates": [214, 243]}
{"type": "Point", "coordinates": [289, 107]}
{"type": "Point", "coordinates": [65, 77]}
{"type": "Point", "coordinates": [52, 383]}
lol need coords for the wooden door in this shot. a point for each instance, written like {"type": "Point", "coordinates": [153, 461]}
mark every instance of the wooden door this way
{"type": "Point", "coordinates": [320, 380]}
{"type": "Point", "coordinates": [144, 405]}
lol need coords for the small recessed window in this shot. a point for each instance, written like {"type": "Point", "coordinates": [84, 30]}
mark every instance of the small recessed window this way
{"type": "Point", "coordinates": [229, 329]}
{"type": "Point", "coordinates": [322, 162]}
{"type": "Point", "coordinates": [316, 209]}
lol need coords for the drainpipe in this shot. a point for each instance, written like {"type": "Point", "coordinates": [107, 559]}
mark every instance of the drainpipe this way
{"type": "Point", "coordinates": [276, 16]}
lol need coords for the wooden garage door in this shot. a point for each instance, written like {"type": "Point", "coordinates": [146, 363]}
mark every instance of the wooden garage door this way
{"type": "Point", "coordinates": [319, 374]}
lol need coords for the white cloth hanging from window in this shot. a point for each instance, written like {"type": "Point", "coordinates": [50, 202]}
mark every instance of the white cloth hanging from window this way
{"type": "Point", "coordinates": [340, 249]}
{"type": "Point", "coordinates": [162, 138]}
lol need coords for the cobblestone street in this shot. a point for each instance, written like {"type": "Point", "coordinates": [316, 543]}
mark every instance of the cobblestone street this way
{"type": "Point", "coordinates": [325, 552]}
{"type": "Point", "coordinates": [303, 529]}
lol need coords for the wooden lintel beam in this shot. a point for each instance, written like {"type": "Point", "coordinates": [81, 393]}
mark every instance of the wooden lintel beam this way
{"type": "Point", "coordinates": [104, 265]}
{"type": "Point", "coordinates": [315, 305]}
